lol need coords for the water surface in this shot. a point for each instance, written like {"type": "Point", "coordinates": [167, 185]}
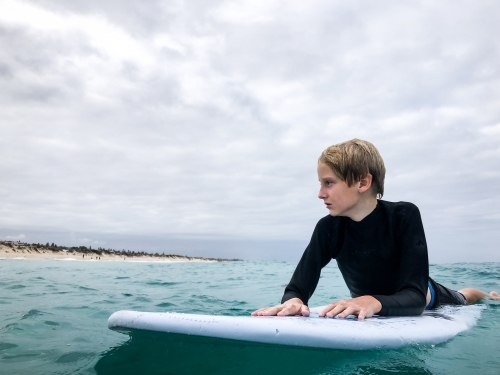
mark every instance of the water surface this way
{"type": "Point", "coordinates": [53, 320]}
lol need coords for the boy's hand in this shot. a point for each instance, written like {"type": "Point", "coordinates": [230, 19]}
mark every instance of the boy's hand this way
{"type": "Point", "coordinates": [293, 306]}
{"type": "Point", "coordinates": [363, 307]}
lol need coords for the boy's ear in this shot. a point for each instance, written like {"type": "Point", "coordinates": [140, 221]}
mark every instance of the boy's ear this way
{"type": "Point", "coordinates": [365, 183]}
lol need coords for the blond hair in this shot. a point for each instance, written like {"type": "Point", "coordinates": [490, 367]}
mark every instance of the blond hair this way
{"type": "Point", "coordinates": [353, 160]}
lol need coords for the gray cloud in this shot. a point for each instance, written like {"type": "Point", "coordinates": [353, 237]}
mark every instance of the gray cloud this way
{"type": "Point", "coordinates": [160, 120]}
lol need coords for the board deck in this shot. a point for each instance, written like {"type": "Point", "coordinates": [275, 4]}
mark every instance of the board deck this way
{"type": "Point", "coordinates": [432, 327]}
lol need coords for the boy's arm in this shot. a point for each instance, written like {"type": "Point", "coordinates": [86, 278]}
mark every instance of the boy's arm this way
{"type": "Point", "coordinates": [413, 267]}
{"type": "Point", "coordinates": [317, 255]}
{"type": "Point", "coordinates": [306, 275]}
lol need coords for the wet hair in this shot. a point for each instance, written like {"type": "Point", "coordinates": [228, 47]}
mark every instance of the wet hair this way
{"type": "Point", "coordinates": [352, 160]}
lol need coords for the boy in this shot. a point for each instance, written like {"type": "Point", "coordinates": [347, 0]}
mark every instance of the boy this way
{"type": "Point", "coordinates": [379, 246]}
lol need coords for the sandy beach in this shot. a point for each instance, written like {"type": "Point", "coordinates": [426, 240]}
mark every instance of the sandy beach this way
{"type": "Point", "coordinates": [15, 250]}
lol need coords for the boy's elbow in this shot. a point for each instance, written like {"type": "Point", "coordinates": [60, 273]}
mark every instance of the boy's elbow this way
{"type": "Point", "coordinates": [419, 307]}
{"type": "Point", "coordinates": [419, 310]}
{"type": "Point", "coordinates": [412, 304]}
{"type": "Point", "coordinates": [401, 311]}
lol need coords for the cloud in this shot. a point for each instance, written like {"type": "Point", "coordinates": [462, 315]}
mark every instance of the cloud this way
{"type": "Point", "coordinates": [90, 241]}
{"type": "Point", "coordinates": [207, 118]}
{"type": "Point", "coordinates": [13, 238]}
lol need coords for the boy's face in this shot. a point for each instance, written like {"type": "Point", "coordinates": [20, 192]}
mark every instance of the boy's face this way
{"type": "Point", "coordinates": [340, 199]}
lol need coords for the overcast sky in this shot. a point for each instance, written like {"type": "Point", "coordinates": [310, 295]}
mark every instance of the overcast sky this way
{"type": "Point", "coordinates": [195, 126]}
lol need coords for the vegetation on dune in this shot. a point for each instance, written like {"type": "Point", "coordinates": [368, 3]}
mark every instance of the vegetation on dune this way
{"type": "Point", "coordinates": [88, 251]}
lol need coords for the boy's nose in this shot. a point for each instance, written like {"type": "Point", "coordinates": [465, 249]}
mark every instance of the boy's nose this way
{"type": "Point", "coordinates": [321, 194]}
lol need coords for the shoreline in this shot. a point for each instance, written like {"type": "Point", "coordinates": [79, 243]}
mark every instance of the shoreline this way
{"type": "Point", "coordinates": [24, 251]}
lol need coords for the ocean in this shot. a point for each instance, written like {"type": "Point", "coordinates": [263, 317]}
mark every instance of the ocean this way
{"type": "Point", "coordinates": [53, 320]}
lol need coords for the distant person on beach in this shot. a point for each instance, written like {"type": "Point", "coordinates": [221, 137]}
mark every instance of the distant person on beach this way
{"type": "Point", "coordinates": [379, 246]}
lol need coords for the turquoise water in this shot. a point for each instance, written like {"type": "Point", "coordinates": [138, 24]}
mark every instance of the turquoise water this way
{"type": "Point", "coordinates": [53, 320]}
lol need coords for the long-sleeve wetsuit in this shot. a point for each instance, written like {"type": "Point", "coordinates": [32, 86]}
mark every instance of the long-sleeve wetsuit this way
{"type": "Point", "coordinates": [384, 255]}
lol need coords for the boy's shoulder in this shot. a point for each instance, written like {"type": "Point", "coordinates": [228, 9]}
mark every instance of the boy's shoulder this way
{"type": "Point", "coordinates": [398, 211]}
{"type": "Point", "coordinates": [397, 206]}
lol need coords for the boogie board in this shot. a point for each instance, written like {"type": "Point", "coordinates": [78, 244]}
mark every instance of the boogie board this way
{"type": "Point", "coordinates": [432, 327]}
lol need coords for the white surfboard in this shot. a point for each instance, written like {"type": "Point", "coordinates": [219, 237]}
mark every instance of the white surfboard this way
{"type": "Point", "coordinates": [433, 327]}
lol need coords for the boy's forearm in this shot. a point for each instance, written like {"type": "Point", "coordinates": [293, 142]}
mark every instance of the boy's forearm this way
{"type": "Point", "coordinates": [405, 303]}
{"type": "Point", "coordinates": [306, 276]}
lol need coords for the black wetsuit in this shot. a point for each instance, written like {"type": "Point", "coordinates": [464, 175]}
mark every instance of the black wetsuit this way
{"type": "Point", "coordinates": [384, 255]}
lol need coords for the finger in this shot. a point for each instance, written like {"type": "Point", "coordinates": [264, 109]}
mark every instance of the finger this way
{"type": "Point", "coordinates": [290, 310]}
{"type": "Point", "coordinates": [269, 311]}
{"type": "Point", "coordinates": [362, 315]}
{"type": "Point", "coordinates": [304, 310]}
{"type": "Point", "coordinates": [327, 309]}
{"type": "Point", "coordinates": [348, 311]}
{"type": "Point", "coordinates": [272, 310]}
{"type": "Point", "coordinates": [259, 311]}
{"type": "Point", "coordinates": [337, 310]}
{"type": "Point", "coordinates": [256, 312]}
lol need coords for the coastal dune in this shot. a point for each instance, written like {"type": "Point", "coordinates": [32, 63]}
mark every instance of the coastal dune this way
{"type": "Point", "coordinates": [18, 250]}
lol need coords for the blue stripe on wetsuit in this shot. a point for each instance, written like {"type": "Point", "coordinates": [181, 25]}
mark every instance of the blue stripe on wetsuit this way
{"type": "Point", "coordinates": [433, 297]}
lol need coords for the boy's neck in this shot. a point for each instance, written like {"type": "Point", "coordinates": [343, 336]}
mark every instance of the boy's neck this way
{"type": "Point", "coordinates": [364, 208]}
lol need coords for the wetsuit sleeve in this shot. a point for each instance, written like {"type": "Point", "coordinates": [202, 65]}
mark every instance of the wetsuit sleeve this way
{"type": "Point", "coordinates": [306, 276]}
{"type": "Point", "coordinates": [414, 267]}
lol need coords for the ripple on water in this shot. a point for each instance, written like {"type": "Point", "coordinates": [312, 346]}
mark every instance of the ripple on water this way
{"type": "Point", "coordinates": [12, 327]}
{"type": "Point", "coordinates": [142, 299]}
{"type": "Point", "coordinates": [80, 339]}
{"type": "Point", "coordinates": [33, 294]}
{"type": "Point", "coordinates": [162, 283]}
{"type": "Point", "coordinates": [75, 307]}
{"type": "Point", "coordinates": [32, 314]}
{"type": "Point", "coordinates": [86, 288]}
{"type": "Point", "coordinates": [107, 302]}
{"type": "Point", "coordinates": [205, 299]}
{"type": "Point", "coordinates": [6, 346]}
{"type": "Point", "coordinates": [21, 356]}
{"type": "Point", "coordinates": [16, 286]}
{"type": "Point", "coordinates": [74, 357]}
{"type": "Point", "coordinates": [166, 304]}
